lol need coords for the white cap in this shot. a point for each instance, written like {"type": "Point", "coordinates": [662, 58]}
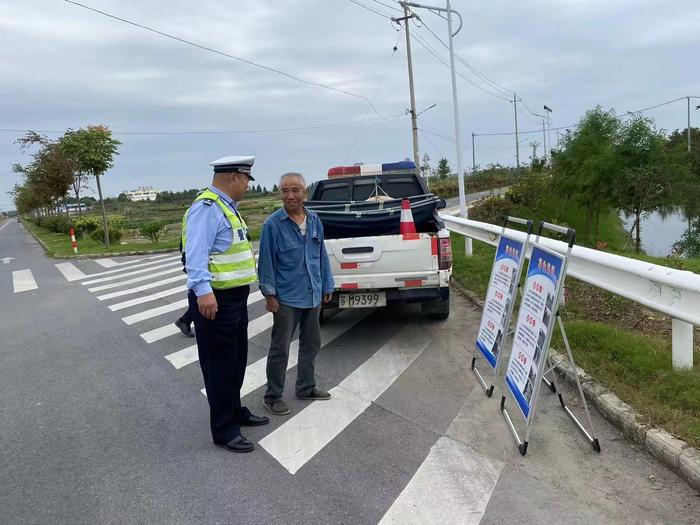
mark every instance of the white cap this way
{"type": "Point", "coordinates": [242, 164]}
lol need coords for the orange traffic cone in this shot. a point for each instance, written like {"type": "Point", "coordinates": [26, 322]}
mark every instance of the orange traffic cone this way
{"type": "Point", "coordinates": [407, 227]}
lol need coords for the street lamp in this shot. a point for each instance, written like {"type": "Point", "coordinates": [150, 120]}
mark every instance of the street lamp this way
{"type": "Point", "coordinates": [549, 140]}
{"type": "Point", "coordinates": [458, 143]}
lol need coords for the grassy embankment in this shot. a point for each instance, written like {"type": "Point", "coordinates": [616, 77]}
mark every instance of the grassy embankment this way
{"type": "Point", "coordinates": [135, 214]}
{"type": "Point", "coordinates": [625, 346]}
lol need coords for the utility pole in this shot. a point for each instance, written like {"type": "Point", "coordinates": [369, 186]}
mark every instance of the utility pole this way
{"type": "Point", "coordinates": [544, 142]}
{"type": "Point", "coordinates": [517, 142]}
{"type": "Point", "coordinates": [414, 124]}
{"type": "Point", "coordinates": [458, 142]}
{"type": "Point", "coordinates": [688, 130]}
{"type": "Point", "coordinates": [473, 155]}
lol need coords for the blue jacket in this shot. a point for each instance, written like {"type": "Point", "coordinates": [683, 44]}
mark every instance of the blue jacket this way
{"type": "Point", "coordinates": [293, 267]}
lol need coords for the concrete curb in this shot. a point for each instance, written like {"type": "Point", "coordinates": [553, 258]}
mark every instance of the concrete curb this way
{"type": "Point", "coordinates": [674, 453]}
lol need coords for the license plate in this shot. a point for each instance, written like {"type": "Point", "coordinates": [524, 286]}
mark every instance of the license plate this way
{"type": "Point", "coordinates": [362, 300]}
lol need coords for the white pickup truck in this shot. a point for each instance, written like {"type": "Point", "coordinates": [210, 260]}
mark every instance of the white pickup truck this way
{"type": "Point", "coordinates": [373, 263]}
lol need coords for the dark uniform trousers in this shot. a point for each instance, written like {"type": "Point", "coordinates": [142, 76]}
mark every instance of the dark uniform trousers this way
{"type": "Point", "coordinates": [222, 343]}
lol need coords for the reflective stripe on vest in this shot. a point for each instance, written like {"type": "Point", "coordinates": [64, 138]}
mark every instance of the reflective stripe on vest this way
{"type": "Point", "coordinates": [235, 266]}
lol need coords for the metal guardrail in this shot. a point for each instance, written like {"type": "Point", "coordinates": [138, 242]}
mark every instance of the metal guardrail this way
{"type": "Point", "coordinates": [675, 293]}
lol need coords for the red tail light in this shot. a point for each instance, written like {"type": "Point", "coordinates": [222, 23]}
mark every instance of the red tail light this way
{"type": "Point", "coordinates": [445, 254]}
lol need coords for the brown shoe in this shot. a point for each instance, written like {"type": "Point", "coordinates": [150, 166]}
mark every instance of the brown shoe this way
{"type": "Point", "coordinates": [316, 395]}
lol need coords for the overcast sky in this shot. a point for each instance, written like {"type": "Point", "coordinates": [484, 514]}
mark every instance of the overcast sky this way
{"type": "Point", "coordinates": [63, 66]}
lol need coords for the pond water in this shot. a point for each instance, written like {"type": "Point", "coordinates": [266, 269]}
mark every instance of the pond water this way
{"type": "Point", "coordinates": [659, 231]}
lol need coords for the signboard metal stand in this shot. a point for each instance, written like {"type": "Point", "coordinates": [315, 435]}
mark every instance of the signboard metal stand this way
{"type": "Point", "coordinates": [494, 354]}
{"type": "Point", "coordinates": [528, 405]}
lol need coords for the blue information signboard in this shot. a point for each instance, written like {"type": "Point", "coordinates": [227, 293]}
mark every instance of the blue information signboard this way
{"type": "Point", "coordinates": [533, 330]}
{"type": "Point", "coordinates": [495, 316]}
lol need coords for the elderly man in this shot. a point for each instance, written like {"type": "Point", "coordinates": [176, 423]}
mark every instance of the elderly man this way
{"type": "Point", "coordinates": [295, 277]}
{"type": "Point", "coordinates": [220, 267]}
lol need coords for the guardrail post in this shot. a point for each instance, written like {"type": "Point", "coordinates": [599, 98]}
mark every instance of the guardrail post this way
{"type": "Point", "coordinates": [682, 345]}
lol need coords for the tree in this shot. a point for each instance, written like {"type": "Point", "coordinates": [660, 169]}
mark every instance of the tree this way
{"type": "Point", "coordinates": [587, 165]}
{"type": "Point", "coordinates": [275, 189]}
{"type": "Point", "coordinates": [443, 169]}
{"type": "Point", "coordinates": [92, 150]}
{"type": "Point", "coordinates": [426, 169]}
{"type": "Point", "coordinates": [123, 198]}
{"type": "Point", "coordinates": [48, 177]}
{"type": "Point", "coordinates": [652, 177]}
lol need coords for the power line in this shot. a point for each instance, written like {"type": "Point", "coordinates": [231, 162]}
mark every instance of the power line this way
{"type": "Point", "coordinates": [391, 118]}
{"type": "Point", "coordinates": [467, 64]}
{"type": "Point", "coordinates": [368, 8]}
{"type": "Point", "coordinates": [444, 62]}
{"type": "Point", "coordinates": [389, 6]}
{"type": "Point", "coordinates": [620, 115]}
{"type": "Point", "coordinates": [228, 55]}
{"type": "Point", "coordinates": [376, 92]}
{"type": "Point", "coordinates": [430, 143]}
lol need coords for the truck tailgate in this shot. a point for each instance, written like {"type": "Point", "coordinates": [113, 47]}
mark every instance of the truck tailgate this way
{"type": "Point", "coordinates": [386, 261]}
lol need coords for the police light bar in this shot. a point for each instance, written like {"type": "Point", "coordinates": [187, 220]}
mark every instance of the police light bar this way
{"type": "Point", "coordinates": [405, 166]}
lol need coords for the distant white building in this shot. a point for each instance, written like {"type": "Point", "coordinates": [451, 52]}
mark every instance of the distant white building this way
{"type": "Point", "coordinates": [142, 194]}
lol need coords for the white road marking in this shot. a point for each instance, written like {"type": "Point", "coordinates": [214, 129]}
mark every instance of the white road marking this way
{"type": "Point", "coordinates": [141, 288]}
{"type": "Point", "coordinates": [130, 273]}
{"type": "Point", "coordinates": [155, 312]}
{"type": "Point", "coordinates": [134, 280]}
{"type": "Point", "coordinates": [147, 298]}
{"type": "Point", "coordinates": [6, 260]}
{"type": "Point", "coordinates": [70, 271]}
{"type": "Point", "coordinates": [106, 263]}
{"type": "Point", "coordinates": [170, 329]}
{"type": "Point", "coordinates": [171, 307]}
{"type": "Point", "coordinates": [23, 281]}
{"type": "Point", "coordinates": [111, 263]}
{"type": "Point", "coordinates": [255, 373]}
{"type": "Point", "coordinates": [454, 482]}
{"type": "Point", "coordinates": [5, 225]}
{"type": "Point", "coordinates": [189, 355]}
{"type": "Point", "coordinates": [151, 264]}
{"type": "Point", "coordinates": [307, 433]}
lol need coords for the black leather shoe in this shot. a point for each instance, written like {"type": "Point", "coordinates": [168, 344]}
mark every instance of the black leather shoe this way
{"type": "Point", "coordinates": [237, 444]}
{"type": "Point", "coordinates": [184, 328]}
{"type": "Point", "coordinates": [254, 421]}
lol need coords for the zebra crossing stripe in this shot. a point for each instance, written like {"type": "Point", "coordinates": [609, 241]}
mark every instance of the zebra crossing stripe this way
{"type": "Point", "coordinates": [111, 263]}
{"type": "Point", "coordinates": [155, 312]}
{"type": "Point", "coordinates": [454, 482]}
{"type": "Point", "coordinates": [299, 439]}
{"type": "Point", "coordinates": [255, 373]}
{"type": "Point", "coordinates": [23, 281]}
{"type": "Point", "coordinates": [134, 280]}
{"type": "Point", "coordinates": [170, 329]}
{"type": "Point", "coordinates": [152, 264]}
{"type": "Point", "coordinates": [70, 271]}
{"type": "Point", "coordinates": [130, 273]}
{"type": "Point", "coordinates": [147, 298]}
{"type": "Point", "coordinates": [189, 355]}
{"type": "Point", "coordinates": [141, 288]}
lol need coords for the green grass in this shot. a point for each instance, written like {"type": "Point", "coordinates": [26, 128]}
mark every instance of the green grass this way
{"type": "Point", "coordinates": [607, 332]}
{"type": "Point", "coordinates": [59, 244]}
{"type": "Point", "coordinates": [638, 369]}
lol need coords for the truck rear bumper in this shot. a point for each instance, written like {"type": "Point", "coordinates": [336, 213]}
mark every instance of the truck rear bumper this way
{"type": "Point", "coordinates": [394, 295]}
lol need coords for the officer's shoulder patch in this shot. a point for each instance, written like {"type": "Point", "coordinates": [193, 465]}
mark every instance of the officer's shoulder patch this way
{"type": "Point", "coordinates": [207, 202]}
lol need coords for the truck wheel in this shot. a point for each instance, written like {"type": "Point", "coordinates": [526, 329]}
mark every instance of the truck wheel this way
{"type": "Point", "coordinates": [437, 309]}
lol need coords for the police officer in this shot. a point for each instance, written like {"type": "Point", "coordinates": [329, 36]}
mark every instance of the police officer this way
{"type": "Point", "coordinates": [220, 267]}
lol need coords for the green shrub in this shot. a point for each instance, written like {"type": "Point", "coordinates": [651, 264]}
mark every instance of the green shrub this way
{"type": "Point", "coordinates": [490, 209]}
{"type": "Point", "coordinates": [153, 230]}
{"type": "Point", "coordinates": [86, 225]}
{"type": "Point", "coordinates": [55, 223]}
{"type": "Point", "coordinates": [115, 234]}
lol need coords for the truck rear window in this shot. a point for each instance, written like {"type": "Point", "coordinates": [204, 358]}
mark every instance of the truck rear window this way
{"type": "Point", "coordinates": [361, 188]}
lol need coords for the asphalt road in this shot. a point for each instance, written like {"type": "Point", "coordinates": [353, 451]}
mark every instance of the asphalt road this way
{"type": "Point", "coordinates": [97, 425]}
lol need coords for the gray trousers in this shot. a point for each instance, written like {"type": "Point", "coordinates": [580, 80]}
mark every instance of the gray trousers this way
{"type": "Point", "coordinates": [286, 320]}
